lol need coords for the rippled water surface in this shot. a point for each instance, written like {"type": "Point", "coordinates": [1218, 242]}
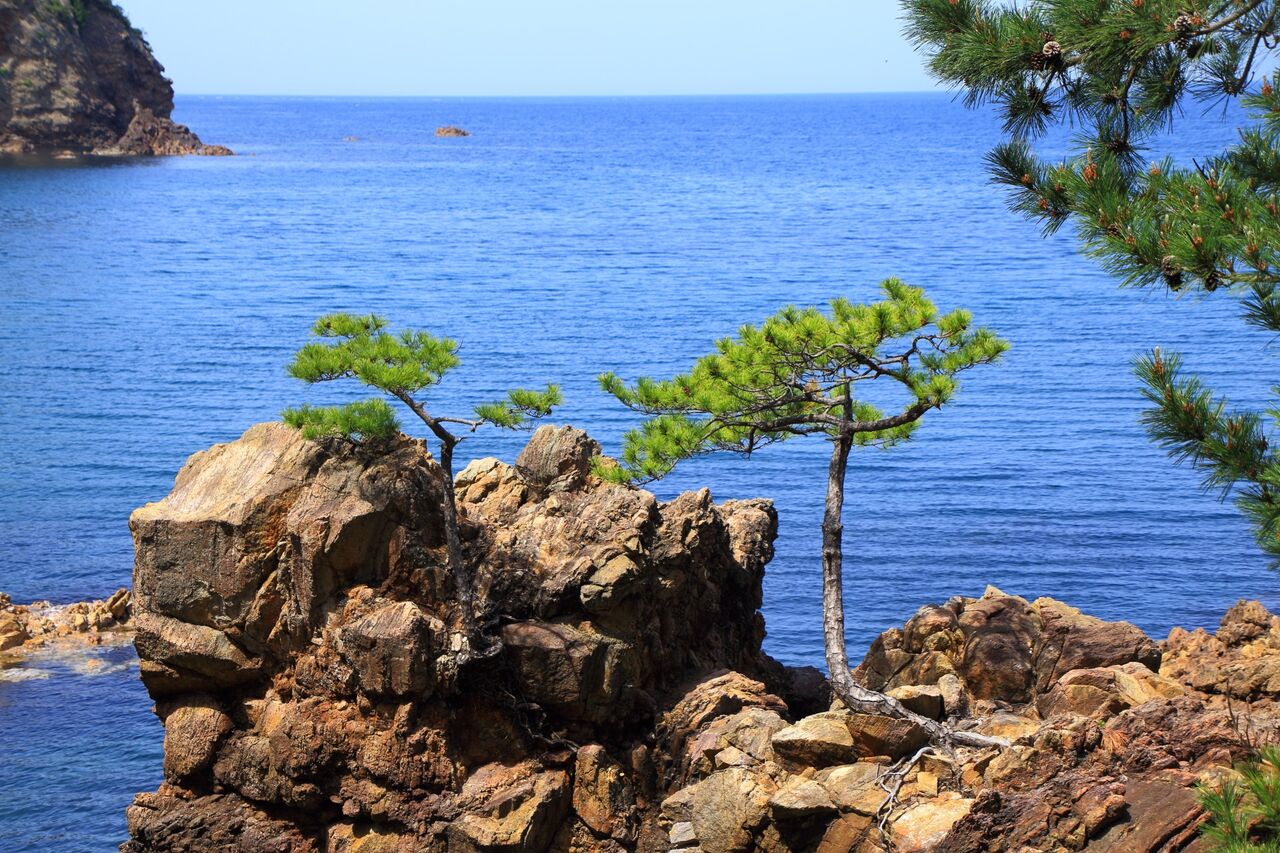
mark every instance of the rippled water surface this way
{"type": "Point", "coordinates": [148, 308]}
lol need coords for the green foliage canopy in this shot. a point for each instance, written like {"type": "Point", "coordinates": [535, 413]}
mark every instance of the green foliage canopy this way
{"type": "Point", "coordinates": [795, 375]}
{"type": "Point", "coordinates": [402, 365]}
{"type": "Point", "coordinates": [1121, 71]}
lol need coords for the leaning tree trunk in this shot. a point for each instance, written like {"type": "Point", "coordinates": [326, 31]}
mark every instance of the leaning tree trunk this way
{"type": "Point", "coordinates": [853, 695]}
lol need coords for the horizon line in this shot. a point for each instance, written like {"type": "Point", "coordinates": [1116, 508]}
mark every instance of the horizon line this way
{"type": "Point", "coordinates": [934, 91]}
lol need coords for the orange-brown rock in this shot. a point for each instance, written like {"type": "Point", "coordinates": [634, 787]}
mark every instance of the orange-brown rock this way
{"type": "Point", "coordinates": [301, 636]}
{"type": "Point", "coordinates": [1000, 648]}
{"type": "Point", "coordinates": [298, 626]}
{"type": "Point", "coordinates": [1241, 660]}
{"type": "Point", "coordinates": [26, 629]}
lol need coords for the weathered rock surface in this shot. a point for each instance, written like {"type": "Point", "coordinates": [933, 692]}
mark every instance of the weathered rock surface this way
{"type": "Point", "coordinates": [296, 626]}
{"type": "Point", "coordinates": [295, 622]}
{"type": "Point", "coordinates": [999, 648]}
{"type": "Point", "coordinates": [77, 77]}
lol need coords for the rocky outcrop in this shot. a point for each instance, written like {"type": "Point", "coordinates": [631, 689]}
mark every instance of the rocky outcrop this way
{"type": "Point", "coordinates": [1106, 752]}
{"type": "Point", "coordinates": [77, 77]}
{"type": "Point", "coordinates": [451, 130]}
{"type": "Point", "coordinates": [296, 625]}
{"type": "Point", "coordinates": [300, 635]}
{"type": "Point", "coordinates": [25, 628]}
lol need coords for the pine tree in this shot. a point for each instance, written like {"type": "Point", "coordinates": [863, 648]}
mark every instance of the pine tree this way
{"type": "Point", "coordinates": [1121, 71]}
{"type": "Point", "coordinates": [801, 373]}
{"type": "Point", "coordinates": [403, 366]}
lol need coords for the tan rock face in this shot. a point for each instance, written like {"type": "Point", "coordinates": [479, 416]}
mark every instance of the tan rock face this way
{"type": "Point", "coordinates": [998, 648]}
{"type": "Point", "coordinates": [192, 733]}
{"type": "Point", "coordinates": [81, 78]}
{"type": "Point", "coordinates": [923, 826]}
{"type": "Point", "coordinates": [820, 740]}
{"type": "Point", "coordinates": [1241, 660]}
{"type": "Point", "coordinates": [304, 586]}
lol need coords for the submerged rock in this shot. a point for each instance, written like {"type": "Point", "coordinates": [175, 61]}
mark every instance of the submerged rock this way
{"type": "Point", "coordinates": [77, 78]}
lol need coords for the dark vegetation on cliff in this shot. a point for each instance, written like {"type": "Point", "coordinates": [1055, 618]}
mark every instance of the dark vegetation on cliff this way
{"type": "Point", "coordinates": [77, 77]}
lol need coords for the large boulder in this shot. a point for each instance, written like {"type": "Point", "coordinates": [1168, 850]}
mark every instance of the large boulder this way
{"type": "Point", "coordinates": [998, 649]}
{"type": "Point", "coordinates": [1240, 660]}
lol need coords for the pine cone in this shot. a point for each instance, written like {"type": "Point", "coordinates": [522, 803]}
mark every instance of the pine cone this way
{"type": "Point", "coordinates": [1171, 273]}
{"type": "Point", "coordinates": [1052, 54]}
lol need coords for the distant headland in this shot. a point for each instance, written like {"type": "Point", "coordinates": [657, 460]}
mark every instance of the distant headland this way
{"type": "Point", "coordinates": [77, 78]}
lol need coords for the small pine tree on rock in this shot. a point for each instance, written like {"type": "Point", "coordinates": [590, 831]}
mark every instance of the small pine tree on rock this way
{"type": "Point", "coordinates": [403, 366]}
{"type": "Point", "coordinates": [802, 373]}
{"type": "Point", "coordinates": [1121, 71]}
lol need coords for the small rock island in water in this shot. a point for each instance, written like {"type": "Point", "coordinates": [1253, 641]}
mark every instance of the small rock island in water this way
{"type": "Point", "coordinates": [77, 78]}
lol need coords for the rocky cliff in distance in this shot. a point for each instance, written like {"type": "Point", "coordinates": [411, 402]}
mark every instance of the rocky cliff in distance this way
{"type": "Point", "coordinates": [296, 629]}
{"type": "Point", "coordinates": [76, 77]}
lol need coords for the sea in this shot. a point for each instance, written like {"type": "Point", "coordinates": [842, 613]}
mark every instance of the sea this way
{"type": "Point", "coordinates": [148, 307]}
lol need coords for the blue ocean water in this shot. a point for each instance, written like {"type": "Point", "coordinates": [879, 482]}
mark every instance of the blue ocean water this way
{"type": "Point", "coordinates": [149, 307]}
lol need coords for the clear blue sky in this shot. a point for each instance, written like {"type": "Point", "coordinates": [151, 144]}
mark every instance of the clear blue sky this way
{"type": "Point", "coordinates": [529, 47]}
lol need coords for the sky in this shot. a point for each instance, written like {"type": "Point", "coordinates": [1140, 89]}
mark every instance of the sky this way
{"type": "Point", "coordinates": [529, 47]}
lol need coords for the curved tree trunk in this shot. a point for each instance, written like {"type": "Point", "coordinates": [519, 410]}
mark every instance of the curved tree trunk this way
{"type": "Point", "coordinates": [854, 696]}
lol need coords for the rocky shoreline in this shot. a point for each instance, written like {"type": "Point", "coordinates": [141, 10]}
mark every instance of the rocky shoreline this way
{"type": "Point", "coordinates": [301, 642]}
{"type": "Point", "coordinates": [77, 78]}
{"type": "Point", "coordinates": [27, 628]}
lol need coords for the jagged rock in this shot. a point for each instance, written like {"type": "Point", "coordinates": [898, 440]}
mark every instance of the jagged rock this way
{"type": "Point", "coordinates": [514, 814]}
{"type": "Point", "coordinates": [391, 649]}
{"type": "Point", "coordinates": [1241, 660]}
{"type": "Point", "coordinates": [178, 657]}
{"type": "Point", "coordinates": [923, 826]}
{"type": "Point", "coordinates": [853, 786]}
{"type": "Point", "coordinates": [578, 674]}
{"type": "Point", "coordinates": [924, 699]}
{"type": "Point", "coordinates": [557, 459]}
{"type": "Point", "coordinates": [800, 799]}
{"type": "Point", "coordinates": [626, 706]}
{"type": "Point", "coordinates": [13, 631]}
{"type": "Point", "coordinates": [222, 822]}
{"type": "Point", "coordinates": [728, 807]}
{"type": "Point", "coordinates": [602, 795]}
{"type": "Point", "coordinates": [877, 735]}
{"type": "Point", "coordinates": [720, 711]}
{"type": "Point", "coordinates": [847, 834]}
{"type": "Point", "coordinates": [1000, 648]}
{"type": "Point", "coordinates": [1103, 691]}
{"type": "Point", "coordinates": [451, 130]}
{"type": "Point", "coordinates": [78, 77]}
{"type": "Point", "coordinates": [306, 583]}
